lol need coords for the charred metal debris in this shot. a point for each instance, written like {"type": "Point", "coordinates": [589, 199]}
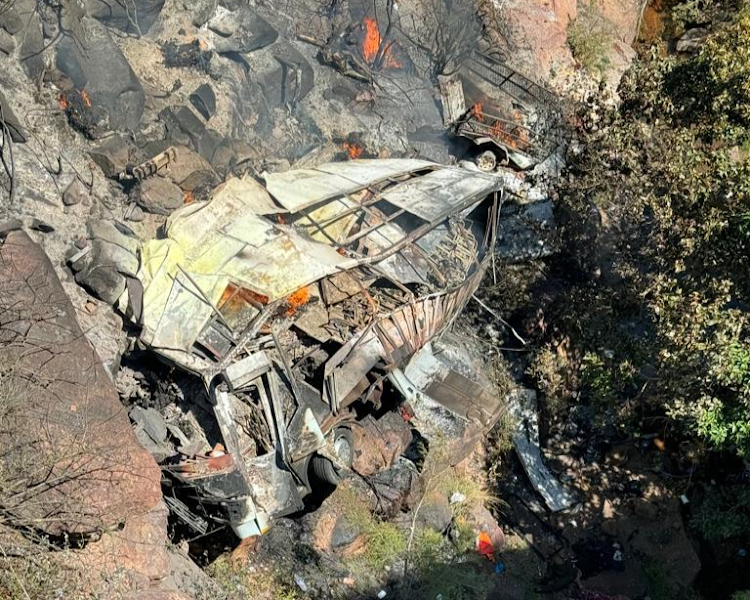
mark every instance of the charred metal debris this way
{"type": "Point", "coordinates": [300, 306]}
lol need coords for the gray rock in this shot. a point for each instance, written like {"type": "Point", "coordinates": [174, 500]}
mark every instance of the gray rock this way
{"type": "Point", "coordinates": [112, 156]}
{"type": "Point", "coordinates": [204, 101]}
{"type": "Point", "coordinates": [113, 256]}
{"type": "Point", "coordinates": [184, 127]}
{"type": "Point", "coordinates": [200, 184]}
{"type": "Point", "coordinates": [133, 16]}
{"type": "Point", "coordinates": [110, 255]}
{"type": "Point", "coordinates": [114, 233]}
{"type": "Point", "coordinates": [250, 32]}
{"type": "Point", "coordinates": [32, 39]}
{"type": "Point", "coordinates": [151, 421]}
{"type": "Point", "coordinates": [202, 11]}
{"type": "Point", "coordinates": [104, 282]}
{"type": "Point", "coordinates": [291, 81]}
{"type": "Point", "coordinates": [159, 196]}
{"type": "Point", "coordinates": [435, 512]}
{"type": "Point", "coordinates": [7, 44]}
{"type": "Point", "coordinates": [344, 533]}
{"type": "Point", "coordinates": [74, 193]}
{"type": "Point", "coordinates": [100, 68]}
{"type": "Point", "coordinates": [136, 214]}
{"type": "Point", "coordinates": [10, 19]}
{"type": "Point", "coordinates": [233, 152]}
{"type": "Point", "coordinates": [10, 225]}
{"type": "Point", "coordinates": [17, 132]}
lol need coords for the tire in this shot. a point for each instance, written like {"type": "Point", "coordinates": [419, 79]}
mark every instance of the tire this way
{"type": "Point", "coordinates": [343, 444]}
{"type": "Point", "coordinates": [325, 470]}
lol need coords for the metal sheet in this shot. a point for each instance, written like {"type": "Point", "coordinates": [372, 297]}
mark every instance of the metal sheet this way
{"type": "Point", "coordinates": [298, 189]}
{"type": "Point", "coordinates": [438, 194]}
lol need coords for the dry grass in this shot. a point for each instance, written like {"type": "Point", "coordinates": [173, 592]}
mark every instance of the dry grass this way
{"type": "Point", "coordinates": [240, 582]}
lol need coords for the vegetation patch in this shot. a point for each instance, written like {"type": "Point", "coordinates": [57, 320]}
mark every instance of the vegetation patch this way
{"type": "Point", "coordinates": [723, 514]}
{"type": "Point", "coordinates": [242, 581]}
{"type": "Point", "coordinates": [655, 242]}
{"type": "Point", "coordinates": [590, 41]}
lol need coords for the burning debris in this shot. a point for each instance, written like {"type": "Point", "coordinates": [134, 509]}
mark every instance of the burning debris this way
{"type": "Point", "coordinates": [379, 53]}
{"type": "Point", "coordinates": [519, 118]}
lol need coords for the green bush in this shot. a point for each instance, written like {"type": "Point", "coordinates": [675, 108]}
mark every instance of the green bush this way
{"type": "Point", "coordinates": [590, 42]}
{"type": "Point", "coordinates": [723, 514]}
{"type": "Point", "coordinates": [654, 212]}
{"type": "Point", "coordinates": [712, 89]}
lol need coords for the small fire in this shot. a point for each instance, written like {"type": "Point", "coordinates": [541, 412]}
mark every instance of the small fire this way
{"type": "Point", "coordinates": [373, 47]}
{"type": "Point", "coordinates": [477, 111]}
{"type": "Point", "coordinates": [297, 299]}
{"type": "Point", "coordinates": [70, 100]}
{"type": "Point", "coordinates": [353, 149]}
{"type": "Point", "coordinates": [188, 198]}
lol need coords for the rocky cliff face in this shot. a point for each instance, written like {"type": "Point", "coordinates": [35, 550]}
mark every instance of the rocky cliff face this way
{"type": "Point", "coordinates": [535, 34]}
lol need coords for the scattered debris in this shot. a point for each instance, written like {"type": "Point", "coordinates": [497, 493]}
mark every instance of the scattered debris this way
{"type": "Point", "coordinates": [487, 102]}
{"type": "Point", "coordinates": [522, 405]}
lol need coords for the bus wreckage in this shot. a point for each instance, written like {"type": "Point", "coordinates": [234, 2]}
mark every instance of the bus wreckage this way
{"type": "Point", "coordinates": [305, 304]}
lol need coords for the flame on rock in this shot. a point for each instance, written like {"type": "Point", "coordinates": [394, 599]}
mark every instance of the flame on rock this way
{"type": "Point", "coordinates": [62, 101]}
{"type": "Point", "coordinates": [353, 149]}
{"type": "Point", "coordinates": [86, 98]}
{"type": "Point", "coordinates": [371, 47]}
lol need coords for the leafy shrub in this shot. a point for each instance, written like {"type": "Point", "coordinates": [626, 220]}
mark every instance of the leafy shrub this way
{"type": "Point", "coordinates": [723, 514]}
{"type": "Point", "coordinates": [590, 41]}
{"type": "Point", "coordinates": [241, 581]}
{"type": "Point", "coordinates": [657, 204]}
{"type": "Point", "coordinates": [555, 376]}
{"type": "Point", "coordinates": [713, 89]}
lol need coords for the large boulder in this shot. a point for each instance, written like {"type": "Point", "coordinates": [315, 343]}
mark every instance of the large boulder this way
{"type": "Point", "coordinates": [74, 463]}
{"type": "Point", "coordinates": [92, 62]}
{"type": "Point", "coordinates": [109, 258]}
{"type": "Point", "coordinates": [22, 19]}
{"type": "Point", "coordinates": [131, 16]}
{"type": "Point", "coordinates": [241, 30]}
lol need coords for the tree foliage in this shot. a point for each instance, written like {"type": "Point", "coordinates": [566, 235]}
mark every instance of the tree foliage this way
{"type": "Point", "coordinates": [656, 208]}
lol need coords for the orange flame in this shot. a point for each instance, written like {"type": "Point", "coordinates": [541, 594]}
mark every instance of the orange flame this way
{"type": "Point", "coordinates": [353, 149]}
{"type": "Point", "coordinates": [188, 198]}
{"type": "Point", "coordinates": [86, 98]}
{"type": "Point", "coordinates": [476, 111]}
{"type": "Point", "coordinates": [62, 101]}
{"type": "Point", "coordinates": [371, 46]}
{"type": "Point", "coordinates": [297, 299]}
